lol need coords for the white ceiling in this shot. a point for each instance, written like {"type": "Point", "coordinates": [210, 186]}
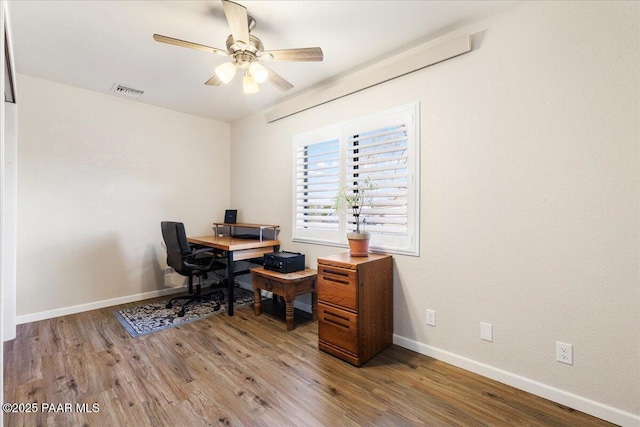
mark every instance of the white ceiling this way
{"type": "Point", "coordinates": [94, 44]}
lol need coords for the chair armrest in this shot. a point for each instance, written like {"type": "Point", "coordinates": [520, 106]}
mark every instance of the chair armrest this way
{"type": "Point", "coordinates": [202, 251]}
{"type": "Point", "coordinates": [195, 266]}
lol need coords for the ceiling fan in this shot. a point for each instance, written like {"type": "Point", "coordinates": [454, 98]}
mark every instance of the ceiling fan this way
{"type": "Point", "coordinates": [246, 52]}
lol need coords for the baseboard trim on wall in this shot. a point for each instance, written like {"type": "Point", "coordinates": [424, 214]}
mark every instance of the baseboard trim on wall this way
{"type": "Point", "coordinates": [562, 397]}
{"type": "Point", "coordinates": [33, 317]}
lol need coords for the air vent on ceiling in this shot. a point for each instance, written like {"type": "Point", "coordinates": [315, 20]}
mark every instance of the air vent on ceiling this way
{"type": "Point", "coordinates": [126, 91]}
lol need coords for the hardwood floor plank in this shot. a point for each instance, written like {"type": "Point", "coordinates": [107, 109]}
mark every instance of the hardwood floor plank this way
{"type": "Point", "coordinates": [246, 370]}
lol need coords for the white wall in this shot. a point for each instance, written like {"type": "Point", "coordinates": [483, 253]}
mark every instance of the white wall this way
{"type": "Point", "coordinates": [2, 286]}
{"type": "Point", "coordinates": [9, 220]}
{"type": "Point", "coordinates": [8, 185]}
{"type": "Point", "coordinates": [529, 209]}
{"type": "Point", "coordinates": [97, 175]}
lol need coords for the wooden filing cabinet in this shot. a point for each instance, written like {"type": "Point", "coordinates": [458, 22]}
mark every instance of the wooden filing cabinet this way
{"type": "Point", "coordinates": [355, 305]}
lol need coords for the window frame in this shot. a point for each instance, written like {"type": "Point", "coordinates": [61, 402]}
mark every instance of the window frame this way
{"type": "Point", "coordinates": [332, 235]}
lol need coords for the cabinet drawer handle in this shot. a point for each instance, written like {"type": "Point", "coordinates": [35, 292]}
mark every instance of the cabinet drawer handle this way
{"type": "Point", "coordinates": [336, 272]}
{"type": "Point", "coordinates": [342, 325]}
{"type": "Point", "coordinates": [336, 319]}
{"type": "Point", "coordinates": [331, 279]}
{"type": "Point", "coordinates": [336, 315]}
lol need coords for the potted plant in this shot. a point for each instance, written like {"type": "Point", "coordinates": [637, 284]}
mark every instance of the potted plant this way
{"type": "Point", "coordinates": [354, 199]}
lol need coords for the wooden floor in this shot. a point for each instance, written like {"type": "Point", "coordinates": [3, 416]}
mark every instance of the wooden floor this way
{"type": "Point", "coordinates": [244, 370]}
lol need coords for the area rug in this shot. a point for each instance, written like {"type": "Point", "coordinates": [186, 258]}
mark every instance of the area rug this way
{"type": "Point", "coordinates": [153, 317]}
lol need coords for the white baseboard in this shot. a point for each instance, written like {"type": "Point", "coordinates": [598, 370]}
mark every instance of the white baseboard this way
{"type": "Point", "coordinates": [571, 400]}
{"type": "Point", "coordinates": [33, 317]}
{"type": "Point", "coordinates": [63, 311]}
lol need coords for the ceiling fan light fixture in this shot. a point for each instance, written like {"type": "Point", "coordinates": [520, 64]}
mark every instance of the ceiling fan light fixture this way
{"type": "Point", "coordinates": [258, 72]}
{"type": "Point", "coordinates": [226, 71]}
{"type": "Point", "coordinates": [244, 49]}
{"type": "Point", "coordinates": [249, 85]}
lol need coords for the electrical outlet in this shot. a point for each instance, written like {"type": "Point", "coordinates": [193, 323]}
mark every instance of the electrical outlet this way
{"type": "Point", "coordinates": [431, 317]}
{"type": "Point", "coordinates": [564, 353]}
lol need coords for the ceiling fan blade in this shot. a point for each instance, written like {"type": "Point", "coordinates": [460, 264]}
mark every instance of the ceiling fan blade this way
{"type": "Point", "coordinates": [238, 21]}
{"type": "Point", "coordinates": [182, 43]}
{"type": "Point", "coordinates": [214, 81]}
{"type": "Point", "coordinates": [301, 54]}
{"type": "Point", "coordinates": [278, 81]}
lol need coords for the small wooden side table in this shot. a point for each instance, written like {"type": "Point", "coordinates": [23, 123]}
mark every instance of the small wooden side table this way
{"type": "Point", "coordinates": [287, 285]}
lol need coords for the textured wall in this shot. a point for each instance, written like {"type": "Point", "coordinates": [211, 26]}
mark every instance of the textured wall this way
{"type": "Point", "coordinates": [529, 208]}
{"type": "Point", "coordinates": [96, 175]}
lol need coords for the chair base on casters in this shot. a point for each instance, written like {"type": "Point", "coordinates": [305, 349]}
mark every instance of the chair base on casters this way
{"type": "Point", "coordinates": [194, 299]}
{"type": "Point", "coordinates": [216, 296]}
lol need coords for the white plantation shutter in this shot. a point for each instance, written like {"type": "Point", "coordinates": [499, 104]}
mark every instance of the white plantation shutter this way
{"type": "Point", "coordinates": [317, 180]}
{"type": "Point", "coordinates": [380, 157]}
{"type": "Point", "coordinates": [381, 150]}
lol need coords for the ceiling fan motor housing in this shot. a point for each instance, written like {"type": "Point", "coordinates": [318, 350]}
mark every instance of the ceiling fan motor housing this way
{"type": "Point", "coordinates": [244, 54]}
{"type": "Point", "coordinates": [246, 50]}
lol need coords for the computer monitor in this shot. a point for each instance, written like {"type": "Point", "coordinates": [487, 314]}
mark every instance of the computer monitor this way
{"type": "Point", "coordinates": [230, 216]}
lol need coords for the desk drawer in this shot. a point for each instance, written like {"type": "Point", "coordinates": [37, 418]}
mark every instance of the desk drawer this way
{"type": "Point", "coordinates": [270, 285]}
{"type": "Point", "coordinates": [338, 327]}
{"type": "Point", "coordinates": [338, 286]}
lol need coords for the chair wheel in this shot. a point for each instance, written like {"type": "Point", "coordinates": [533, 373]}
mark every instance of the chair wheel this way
{"type": "Point", "coordinates": [217, 306]}
{"type": "Point", "coordinates": [181, 313]}
{"type": "Point", "coordinates": [169, 305]}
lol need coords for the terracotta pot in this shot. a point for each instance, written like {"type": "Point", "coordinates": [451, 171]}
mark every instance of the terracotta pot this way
{"type": "Point", "coordinates": [359, 243]}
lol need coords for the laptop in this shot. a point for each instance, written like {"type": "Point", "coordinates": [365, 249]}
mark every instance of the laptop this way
{"type": "Point", "coordinates": [230, 216]}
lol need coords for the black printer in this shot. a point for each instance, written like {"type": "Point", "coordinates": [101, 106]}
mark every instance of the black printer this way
{"type": "Point", "coordinates": [284, 262]}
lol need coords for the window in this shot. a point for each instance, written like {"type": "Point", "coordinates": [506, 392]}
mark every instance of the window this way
{"type": "Point", "coordinates": [382, 149]}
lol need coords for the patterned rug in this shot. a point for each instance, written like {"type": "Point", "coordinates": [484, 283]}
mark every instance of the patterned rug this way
{"type": "Point", "coordinates": [153, 317]}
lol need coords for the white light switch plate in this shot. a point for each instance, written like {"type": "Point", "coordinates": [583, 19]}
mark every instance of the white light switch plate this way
{"type": "Point", "coordinates": [486, 331]}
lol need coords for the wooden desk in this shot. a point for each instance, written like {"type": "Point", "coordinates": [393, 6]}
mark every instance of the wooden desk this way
{"type": "Point", "coordinates": [236, 250]}
{"type": "Point", "coordinates": [287, 285]}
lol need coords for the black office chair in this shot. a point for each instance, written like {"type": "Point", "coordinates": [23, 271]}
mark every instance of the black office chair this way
{"type": "Point", "coordinates": [189, 261]}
